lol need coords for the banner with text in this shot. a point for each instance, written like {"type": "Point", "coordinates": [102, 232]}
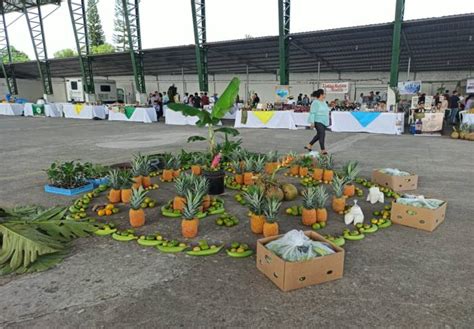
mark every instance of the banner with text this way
{"type": "Point", "coordinates": [336, 87]}
{"type": "Point", "coordinates": [409, 87]}
{"type": "Point", "coordinates": [470, 86]}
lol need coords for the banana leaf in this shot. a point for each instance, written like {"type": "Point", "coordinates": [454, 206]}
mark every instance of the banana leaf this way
{"type": "Point", "coordinates": [186, 110]}
{"type": "Point", "coordinates": [227, 130]}
{"type": "Point", "coordinates": [227, 100]}
{"type": "Point", "coordinates": [196, 139]}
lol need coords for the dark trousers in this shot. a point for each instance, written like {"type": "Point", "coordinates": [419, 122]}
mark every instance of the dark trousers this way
{"type": "Point", "coordinates": [320, 135]}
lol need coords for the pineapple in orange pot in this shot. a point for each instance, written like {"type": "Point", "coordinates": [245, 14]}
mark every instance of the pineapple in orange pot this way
{"type": "Point", "coordinates": [248, 171]}
{"type": "Point", "coordinates": [136, 213]}
{"type": "Point", "coordinates": [182, 184]}
{"type": "Point", "coordinates": [201, 184]}
{"type": "Point", "coordinates": [295, 166]}
{"type": "Point", "coordinates": [255, 198]}
{"type": "Point", "coordinates": [321, 198]}
{"type": "Point", "coordinates": [306, 163]}
{"type": "Point", "coordinates": [145, 170]}
{"type": "Point", "coordinates": [239, 178]}
{"type": "Point", "coordinates": [308, 215]}
{"type": "Point", "coordinates": [197, 161]}
{"type": "Point", "coordinates": [270, 227]}
{"type": "Point", "coordinates": [137, 165]}
{"type": "Point", "coordinates": [338, 200]}
{"type": "Point", "coordinates": [116, 185]}
{"type": "Point", "coordinates": [328, 173]}
{"type": "Point", "coordinates": [176, 167]}
{"type": "Point", "coordinates": [272, 162]}
{"type": "Point", "coordinates": [167, 175]}
{"type": "Point", "coordinates": [127, 184]}
{"type": "Point", "coordinates": [190, 222]}
{"type": "Point", "coordinates": [350, 171]}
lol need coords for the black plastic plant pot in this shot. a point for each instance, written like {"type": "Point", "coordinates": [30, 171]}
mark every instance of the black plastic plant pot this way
{"type": "Point", "coordinates": [216, 181]}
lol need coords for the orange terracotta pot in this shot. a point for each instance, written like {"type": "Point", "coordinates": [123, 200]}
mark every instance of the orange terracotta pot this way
{"type": "Point", "coordinates": [248, 178]}
{"type": "Point", "coordinates": [349, 190]}
{"type": "Point", "coordinates": [318, 174]}
{"type": "Point", "coordinates": [146, 181]}
{"type": "Point", "coordinates": [338, 204]}
{"type": "Point", "coordinates": [115, 196]}
{"type": "Point", "coordinates": [308, 217]}
{"type": "Point", "coordinates": [239, 179]}
{"type": "Point", "coordinates": [322, 215]}
{"type": "Point", "coordinates": [167, 175]}
{"type": "Point", "coordinates": [294, 170]}
{"type": "Point", "coordinates": [196, 170]}
{"type": "Point", "coordinates": [256, 223]}
{"type": "Point", "coordinates": [270, 229]}
{"type": "Point", "coordinates": [303, 171]}
{"type": "Point", "coordinates": [328, 175]}
{"type": "Point", "coordinates": [137, 217]}
{"type": "Point", "coordinates": [189, 228]}
{"type": "Point", "coordinates": [178, 203]}
{"type": "Point", "coordinates": [126, 195]}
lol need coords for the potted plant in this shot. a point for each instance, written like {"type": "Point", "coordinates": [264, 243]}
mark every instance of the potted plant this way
{"type": "Point", "coordinates": [126, 181]}
{"type": "Point", "coordinates": [318, 171]}
{"type": "Point", "coordinates": [249, 165]}
{"type": "Point", "coordinates": [328, 173]}
{"type": "Point", "coordinates": [136, 213]}
{"type": "Point", "coordinates": [270, 227]}
{"type": "Point", "coordinates": [308, 215]}
{"type": "Point", "coordinates": [115, 194]}
{"type": "Point", "coordinates": [96, 174]}
{"type": "Point", "coordinates": [255, 199]}
{"type": "Point", "coordinates": [272, 162]}
{"type": "Point", "coordinates": [135, 170]}
{"type": "Point", "coordinates": [167, 175]}
{"type": "Point", "coordinates": [338, 200]}
{"type": "Point", "coordinates": [182, 184]}
{"type": "Point", "coordinates": [190, 221]}
{"type": "Point", "coordinates": [67, 178]}
{"type": "Point", "coordinates": [201, 184]}
{"type": "Point", "coordinates": [321, 198]}
{"type": "Point", "coordinates": [176, 166]}
{"type": "Point", "coordinates": [145, 171]}
{"type": "Point", "coordinates": [197, 161]}
{"type": "Point", "coordinates": [215, 174]}
{"type": "Point", "coordinates": [305, 163]}
{"type": "Point", "coordinates": [237, 166]}
{"type": "Point", "coordinates": [350, 172]}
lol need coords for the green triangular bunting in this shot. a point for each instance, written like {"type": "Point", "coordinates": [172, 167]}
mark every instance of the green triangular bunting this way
{"type": "Point", "coordinates": [38, 109]}
{"type": "Point", "coordinates": [129, 110]}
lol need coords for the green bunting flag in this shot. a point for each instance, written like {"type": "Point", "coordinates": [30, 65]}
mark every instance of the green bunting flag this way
{"type": "Point", "coordinates": [38, 109]}
{"type": "Point", "coordinates": [129, 110]}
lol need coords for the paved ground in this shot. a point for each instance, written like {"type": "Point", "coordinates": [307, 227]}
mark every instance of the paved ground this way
{"type": "Point", "coordinates": [399, 277]}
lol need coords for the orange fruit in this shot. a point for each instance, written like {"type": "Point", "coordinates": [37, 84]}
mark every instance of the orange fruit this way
{"type": "Point", "coordinates": [109, 207]}
{"type": "Point", "coordinates": [108, 212]}
{"type": "Point", "coordinates": [101, 212]}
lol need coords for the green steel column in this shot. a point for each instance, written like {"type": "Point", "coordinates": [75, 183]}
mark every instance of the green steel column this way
{"type": "Point", "coordinates": [198, 8]}
{"type": "Point", "coordinates": [77, 10]}
{"type": "Point", "coordinates": [132, 21]}
{"type": "Point", "coordinates": [5, 51]}
{"type": "Point", "coordinates": [32, 11]}
{"type": "Point", "coordinates": [284, 40]}
{"type": "Point", "coordinates": [397, 30]}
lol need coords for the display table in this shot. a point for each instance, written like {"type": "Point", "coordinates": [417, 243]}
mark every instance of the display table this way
{"type": "Point", "coordinates": [466, 117]}
{"type": "Point", "coordinates": [81, 111]}
{"type": "Point", "coordinates": [369, 122]}
{"type": "Point", "coordinates": [432, 122]}
{"type": "Point", "coordinates": [301, 119]}
{"type": "Point", "coordinates": [139, 114]}
{"type": "Point", "coordinates": [177, 118]}
{"type": "Point", "coordinates": [49, 110]}
{"type": "Point", "coordinates": [11, 109]}
{"type": "Point", "coordinates": [265, 119]}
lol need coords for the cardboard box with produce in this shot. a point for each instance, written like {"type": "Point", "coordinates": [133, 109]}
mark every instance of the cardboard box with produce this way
{"type": "Point", "coordinates": [395, 179]}
{"type": "Point", "coordinates": [299, 259]}
{"type": "Point", "coordinates": [418, 212]}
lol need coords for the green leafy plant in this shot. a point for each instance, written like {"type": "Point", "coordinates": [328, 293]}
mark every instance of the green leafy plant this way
{"type": "Point", "coordinates": [259, 163]}
{"type": "Point", "coordinates": [35, 239]}
{"type": "Point", "coordinates": [338, 186]}
{"type": "Point", "coordinates": [94, 171]}
{"type": "Point", "coordinates": [193, 203]}
{"type": "Point", "coordinates": [309, 198]}
{"type": "Point", "coordinates": [138, 197]}
{"type": "Point", "coordinates": [350, 171]}
{"type": "Point", "coordinates": [66, 175]}
{"type": "Point", "coordinates": [321, 196]}
{"type": "Point", "coordinates": [126, 179]}
{"type": "Point", "coordinates": [306, 161]}
{"type": "Point", "coordinates": [183, 183]}
{"type": "Point", "coordinates": [272, 207]}
{"type": "Point", "coordinates": [255, 198]}
{"type": "Point", "coordinates": [114, 179]}
{"type": "Point", "coordinates": [212, 119]}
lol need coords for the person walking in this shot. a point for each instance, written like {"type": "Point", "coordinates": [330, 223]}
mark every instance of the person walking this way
{"type": "Point", "coordinates": [319, 119]}
{"type": "Point", "coordinates": [454, 107]}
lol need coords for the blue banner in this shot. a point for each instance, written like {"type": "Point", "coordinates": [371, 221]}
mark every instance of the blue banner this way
{"type": "Point", "coordinates": [365, 118]}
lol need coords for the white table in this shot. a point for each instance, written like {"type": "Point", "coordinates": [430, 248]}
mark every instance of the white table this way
{"type": "Point", "coordinates": [50, 110]}
{"type": "Point", "coordinates": [384, 123]}
{"type": "Point", "coordinates": [11, 109]}
{"type": "Point", "coordinates": [177, 118]}
{"type": "Point", "coordinates": [301, 119]}
{"type": "Point", "coordinates": [87, 111]}
{"type": "Point", "coordinates": [278, 120]}
{"type": "Point", "coordinates": [141, 114]}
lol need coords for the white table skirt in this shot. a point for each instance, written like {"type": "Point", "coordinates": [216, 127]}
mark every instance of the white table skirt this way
{"type": "Point", "coordinates": [467, 118]}
{"type": "Point", "coordinates": [301, 119]}
{"type": "Point", "coordinates": [141, 114]}
{"type": "Point", "coordinates": [50, 110]}
{"type": "Point", "coordinates": [176, 118]}
{"type": "Point", "coordinates": [279, 120]}
{"type": "Point", "coordinates": [88, 112]}
{"type": "Point", "coordinates": [385, 123]}
{"type": "Point", "coordinates": [432, 122]}
{"type": "Point", "coordinates": [11, 109]}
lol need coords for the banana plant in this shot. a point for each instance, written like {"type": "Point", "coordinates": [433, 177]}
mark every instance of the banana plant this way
{"type": "Point", "coordinates": [212, 119]}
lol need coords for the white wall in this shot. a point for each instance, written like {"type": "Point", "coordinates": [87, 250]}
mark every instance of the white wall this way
{"type": "Point", "coordinates": [263, 84]}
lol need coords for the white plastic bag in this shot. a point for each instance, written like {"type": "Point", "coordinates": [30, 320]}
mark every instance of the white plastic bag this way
{"type": "Point", "coordinates": [419, 201]}
{"type": "Point", "coordinates": [375, 195]}
{"type": "Point", "coordinates": [355, 215]}
{"type": "Point", "coordinates": [394, 172]}
{"type": "Point", "coordinates": [295, 246]}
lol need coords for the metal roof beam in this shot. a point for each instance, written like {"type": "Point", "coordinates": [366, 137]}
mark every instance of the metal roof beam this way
{"type": "Point", "coordinates": [297, 45]}
{"type": "Point", "coordinates": [240, 60]}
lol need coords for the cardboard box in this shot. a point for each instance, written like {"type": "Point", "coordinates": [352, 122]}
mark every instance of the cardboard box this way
{"type": "Point", "coordinates": [420, 218]}
{"type": "Point", "coordinates": [396, 183]}
{"type": "Point", "coordinates": [294, 275]}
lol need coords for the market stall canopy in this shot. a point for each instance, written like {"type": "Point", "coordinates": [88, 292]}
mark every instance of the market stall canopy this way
{"type": "Point", "coordinates": [434, 44]}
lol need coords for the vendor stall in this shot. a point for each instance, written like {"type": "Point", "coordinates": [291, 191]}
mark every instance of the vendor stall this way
{"type": "Point", "coordinates": [42, 110]}
{"type": "Point", "coordinates": [301, 119]}
{"type": "Point", "coordinates": [432, 122]}
{"type": "Point", "coordinates": [82, 111]}
{"type": "Point", "coordinates": [11, 109]}
{"type": "Point", "coordinates": [264, 119]}
{"type": "Point", "coordinates": [131, 113]}
{"type": "Point", "coordinates": [370, 122]}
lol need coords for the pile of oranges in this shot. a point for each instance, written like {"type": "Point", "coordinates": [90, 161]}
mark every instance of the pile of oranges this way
{"type": "Point", "coordinates": [108, 210]}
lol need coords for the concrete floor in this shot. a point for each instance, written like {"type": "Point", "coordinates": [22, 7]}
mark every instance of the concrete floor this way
{"type": "Point", "coordinates": [399, 277]}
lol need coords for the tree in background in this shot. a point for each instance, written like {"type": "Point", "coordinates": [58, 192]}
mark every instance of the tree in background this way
{"type": "Point", "coordinates": [105, 48]}
{"type": "Point", "coordinates": [120, 28]}
{"type": "Point", "coordinates": [65, 53]}
{"type": "Point", "coordinates": [17, 56]}
{"type": "Point", "coordinates": [94, 26]}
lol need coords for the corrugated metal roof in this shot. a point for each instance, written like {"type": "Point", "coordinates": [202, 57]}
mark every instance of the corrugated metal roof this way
{"type": "Point", "coordinates": [434, 44]}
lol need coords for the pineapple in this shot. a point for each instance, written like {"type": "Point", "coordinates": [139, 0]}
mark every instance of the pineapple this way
{"type": "Point", "coordinates": [201, 184]}
{"type": "Point", "coordinates": [272, 156]}
{"type": "Point", "coordinates": [236, 166]}
{"type": "Point", "coordinates": [168, 160]}
{"type": "Point", "coordinates": [259, 164]}
{"type": "Point", "coordinates": [126, 180]}
{"type": "Point", "coordinates": [255, 197]}
{"type": "Point", "coordinates": [136, 213]}
{"type": "Point", "coordinates": [249, 164]}
{"type": "Point", "coordinates": [321, 198]}
{"type": "Point", "coordinates": [338, 202]}
{"type": "Point", "coordinates": [350, 171]}
{"type": "Point", "coordinates": [183, 184]}
{"type": "Point", "coordinates": [190, 224]}
{"type": "Point", "coordinates": [137, 165]}
{"type": "Point", "coordinates": [270, 227]}
{"type": "Point", "coordinates": [114, 179]}
{"type": "Point", "coordinates": [145, 166]}
{"type": "Point", "coordinates": [309, 198]}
